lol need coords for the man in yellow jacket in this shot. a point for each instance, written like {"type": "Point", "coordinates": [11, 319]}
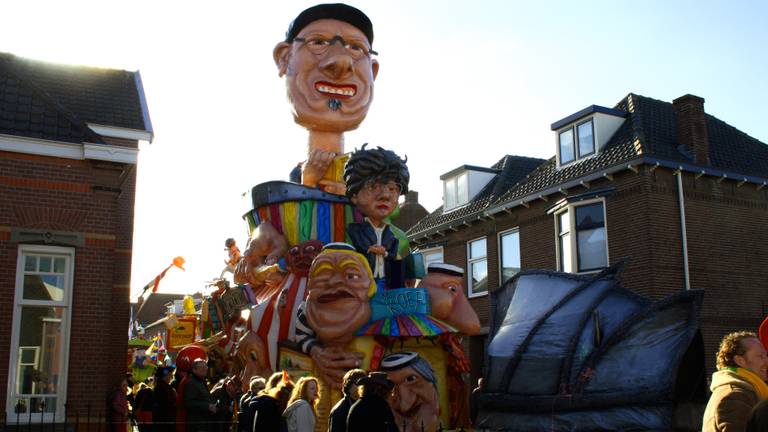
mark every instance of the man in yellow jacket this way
{"type": "Point", "coordinates": [739, 383]}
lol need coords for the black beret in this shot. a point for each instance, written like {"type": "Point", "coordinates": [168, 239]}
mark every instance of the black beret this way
{"type": "Point", "coordinates": [337, 11]}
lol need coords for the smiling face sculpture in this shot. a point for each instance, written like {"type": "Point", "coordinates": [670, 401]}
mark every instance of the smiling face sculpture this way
{"type": "Point", "coordinates": [340, 286]}
{"type": "Point", "coordinates": [326, 59]}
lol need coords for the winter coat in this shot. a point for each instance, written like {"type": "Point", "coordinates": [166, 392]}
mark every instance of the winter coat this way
{"type": "Point", "coordinates": [164, 414]}
{"type": "Point", "coordinates": [371, 413]}
{"type": "Point", "coordinates": [337, 421]}
{"type": "Point", "coordinates": [731, 402]}
{"type": "Point", "coordinates": [299, 417]}
{"type": "Point", "coordinates": [196, 401]}
{"type": "Point", "coordinates": [267, 413]}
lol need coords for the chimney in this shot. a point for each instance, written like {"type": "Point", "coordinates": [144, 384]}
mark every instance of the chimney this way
{"type": "Point", "coordinates": [691, 125]}
{"type": "Point", "coordinates": [412, 197]}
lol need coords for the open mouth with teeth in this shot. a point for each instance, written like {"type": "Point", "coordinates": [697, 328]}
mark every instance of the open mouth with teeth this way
{"type": "Point", "coordinates": [337, 91]}
{"type": "Point", "coordinates": [335, 296]}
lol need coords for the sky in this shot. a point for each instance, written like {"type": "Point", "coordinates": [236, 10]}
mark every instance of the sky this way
{"type": "Point", "coordinates": [460, 82]}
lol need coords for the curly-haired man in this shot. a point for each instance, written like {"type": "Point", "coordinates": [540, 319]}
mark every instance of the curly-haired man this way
{"type": "Point", "coordinates": [375, 179]}
{"type": "Point", "coordinates": [738, 385]}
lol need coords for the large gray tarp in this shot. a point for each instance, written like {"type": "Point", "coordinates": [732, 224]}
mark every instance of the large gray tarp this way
{"type": "Point", "coordinates": [581, 353]}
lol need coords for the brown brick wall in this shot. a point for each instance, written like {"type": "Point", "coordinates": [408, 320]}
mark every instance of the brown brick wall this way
{"type": "Point", "coordinates": [96, 200]}
{"type": "Point", "coordinates": [726, 231]}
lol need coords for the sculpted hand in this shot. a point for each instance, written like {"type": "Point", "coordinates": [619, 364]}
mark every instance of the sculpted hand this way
{"type": "Point", "coordinates": [332, 363]}
{"type": "Point", "coordinates": [333, 187]}
{"type": "Point", "coordinates": [316, 166]}
{"type": "Point", "coordinates": [377, 250]}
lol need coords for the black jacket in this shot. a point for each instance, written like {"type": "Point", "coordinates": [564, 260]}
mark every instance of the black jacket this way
{"type": "Point", "coordinates": [269, 416]}
{"type": "Point", "coordinates": [196, 401]}
{"type": "Point", "coordinates": [337, 421]}
{"type": "Point", "coordinates": [371, 413]}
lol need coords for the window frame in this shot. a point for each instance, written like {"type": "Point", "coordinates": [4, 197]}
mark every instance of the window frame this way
{"type": "Point", "coordinates": [457, 200]}
{"type": "Point", "coordinates": [574, 130]}
{"type": "Point", "coordinates": [470, 261]}
{"type": "Point", "coordinates": [578, 139]}
{"type": "Point", "coordinates": [501, 251]}
{"type": "Point", "coordinates": [19, 303]}
{"type": "Point", "coordinates": [573, 233]}
{"type": "Point", "coordinates": [431, 250]}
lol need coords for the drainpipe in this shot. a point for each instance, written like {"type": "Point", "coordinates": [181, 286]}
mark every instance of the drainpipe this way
{"type": "Point", "coordinates": [684, 236]}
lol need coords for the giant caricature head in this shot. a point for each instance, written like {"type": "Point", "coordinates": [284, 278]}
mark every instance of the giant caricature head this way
{"type": "Point", "coordinates": [447, 302]}
{"type": "Point", "coordinates": [330, 85]}
{"type": "Point", "coordinates": [415, 399]}
{"type": "Point", "coordinates": [340, 286]}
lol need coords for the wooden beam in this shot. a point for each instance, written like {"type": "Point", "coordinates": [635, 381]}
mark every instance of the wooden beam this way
{"type": "Point", "coordinates": [563, 191]}
{"type": "Point", "coordinates": [633, 168]}
{"type": "Point", "coordinates": [653, 167]}
{"type": "Point", "coordinates": [723, 177]}
{"type": "Point", "coordinates": [525, 204]}
{"type": "Point", "coordinates": [543, 198]}
{"type": "Point", "coordinates": [584, 183]}
{"type": "Point", "coordinates": [761, 186]}
{"type": "Point", "coordinates": [741, 183]}
{"type": "Point", "coordinates": [698, 176]}
{"type": "Point", "coordinates": [608, 176]}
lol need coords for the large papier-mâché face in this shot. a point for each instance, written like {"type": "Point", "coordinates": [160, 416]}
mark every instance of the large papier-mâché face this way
{"type": "Point", "coordinates": [337, 302]}
{"type": "Point", "coordinates": [415, 400]}
{"type": "Point", "coordinates": [331, 91]}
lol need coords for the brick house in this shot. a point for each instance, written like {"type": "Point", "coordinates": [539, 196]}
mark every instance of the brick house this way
{"type": "Point", "coordinates": [68, 150]}
{"type": "Point", "coordinates": [677, 191]}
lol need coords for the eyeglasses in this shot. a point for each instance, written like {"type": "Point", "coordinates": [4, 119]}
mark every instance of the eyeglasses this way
{"type": "Point", "coordinates": [319, 45]}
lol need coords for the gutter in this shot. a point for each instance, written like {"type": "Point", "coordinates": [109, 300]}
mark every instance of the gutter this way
{"type": "Point", "coordinates": [683, 233]}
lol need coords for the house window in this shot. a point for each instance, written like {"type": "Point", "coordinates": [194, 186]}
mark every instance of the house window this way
{"type": "Point", "coordinates": [432, 255]}
{"type": "Point", "coordinates": [509, 254]}
{"type": "Point", "coordinates": [567, 153]}
{"type": "Point", "coordinates": [586, 139]}
{"type": "Point", "coordinates": [456, 191]}
{"type": "Point", "coordinates": [581, 237]}
{"type": "Point", "coordinates": [478, 267]}
{"type": "Point", "coordinates": [577, 142]}
{"type": "Point", "coordinates": [40, 333]}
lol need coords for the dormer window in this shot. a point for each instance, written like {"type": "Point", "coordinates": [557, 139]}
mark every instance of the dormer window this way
{"type": "Point", "coordinates": [462, 184]}
{"type": "Point", "coordinates": [582, 146]}
{"type": "Point", "coordinates": [585, 133]}
{"type": "Point", "coordinates": [456, 191]}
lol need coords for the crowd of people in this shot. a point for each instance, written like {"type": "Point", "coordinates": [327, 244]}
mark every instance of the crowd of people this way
{"type": "Point", "coordinates": [184, 402]}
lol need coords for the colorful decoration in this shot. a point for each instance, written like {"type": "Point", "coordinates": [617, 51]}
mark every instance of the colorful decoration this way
{"type": "Point", "coordinates": [154, 285]}
{"type": "Point", "coordinates": [183, 333]}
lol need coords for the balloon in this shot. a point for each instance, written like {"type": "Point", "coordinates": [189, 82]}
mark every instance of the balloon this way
{"type": "Point", "coordinates": [187, 355]}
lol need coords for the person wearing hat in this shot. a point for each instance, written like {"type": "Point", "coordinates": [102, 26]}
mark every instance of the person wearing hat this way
{"type": "Point", "coordinates": [327, 60]}
{"type": "Point", "coordinates": [372, 413]}
{"type": "Point", "coordinates": [164, 410]}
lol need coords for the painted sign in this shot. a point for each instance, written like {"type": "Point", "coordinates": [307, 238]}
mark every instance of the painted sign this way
{"type": "Point", "coordinates": [183, 333]}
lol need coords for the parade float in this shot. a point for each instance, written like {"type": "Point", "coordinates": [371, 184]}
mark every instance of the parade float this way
{"type": "Point", "coordinates": [326, 282]}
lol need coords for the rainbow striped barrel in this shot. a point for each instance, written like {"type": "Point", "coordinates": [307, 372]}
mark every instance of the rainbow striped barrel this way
{"type": "Point", "coordinates": [301, 213]}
